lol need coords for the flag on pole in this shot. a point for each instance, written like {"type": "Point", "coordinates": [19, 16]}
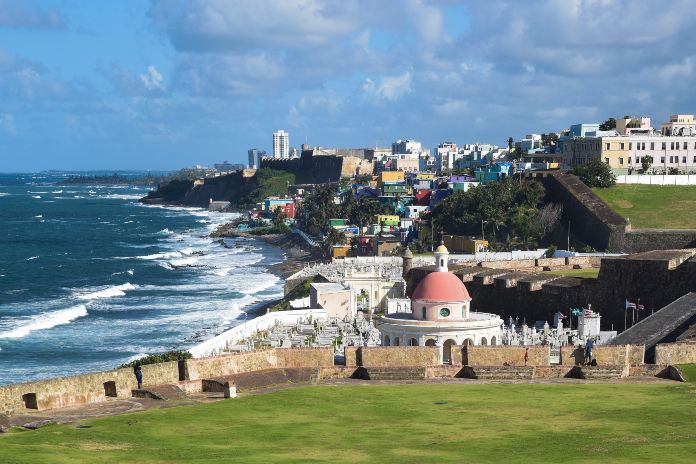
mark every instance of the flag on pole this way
{"type": "Point", "coordinates": [639, 306]}
{"type": "Point", "coordinates": [630, 305]}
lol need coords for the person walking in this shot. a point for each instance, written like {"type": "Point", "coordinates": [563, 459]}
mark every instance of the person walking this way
{"type": "Point", "coordinates": [526, 356]}
{"type": "Point", "coordinates": [588, 351]}
{"type": "Point", "coordinates": [139, 376]}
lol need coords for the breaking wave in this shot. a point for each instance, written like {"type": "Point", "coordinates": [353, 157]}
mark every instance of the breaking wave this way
{"type": "Point", "coordinates": [46, 321]}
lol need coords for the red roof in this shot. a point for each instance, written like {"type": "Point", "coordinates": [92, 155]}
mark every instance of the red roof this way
{"type": "Point", "coordinates": [441, 286]}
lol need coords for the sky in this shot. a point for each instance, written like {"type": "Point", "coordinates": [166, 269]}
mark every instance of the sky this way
{"type": "Point", "coordinates": [163, 84]}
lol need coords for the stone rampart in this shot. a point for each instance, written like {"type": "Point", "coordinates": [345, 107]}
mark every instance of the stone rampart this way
{"type": "Point", "coordinates": [215, 366]}
{"type": "Point", "coordinates": [305, 357]}
{"type": "Point", "coordinates": [639, 240]}
{"type": "Point", "coordinates": [505, 355]}
{"type": "Point", "coordinates": [394, 356]}
{"type": "Point", "coordinates": [82, 389]}
{"type": "Point", "coordinates": [590, 217]}
{"type": "Point", "coordinates": [675, 353]}
{"type": "Point", "coordinates": [606, 355]}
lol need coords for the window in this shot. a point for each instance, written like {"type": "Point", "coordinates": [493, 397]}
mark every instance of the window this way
{"type": "Point", "coordinates": [606, 160]}
{"type": "Point", "coordinates": [652, 145]}
{"type": "Point", "coordinates": [684, 159]}
{"type": "Point", "coordinates": [684, 145]}
{"type": "Point", "coordinates": [629, 160]}
{"type": "Point", "coordinates": [621, 161]}
{"type": "Point", "coordinates": [662, 160]}
{"type": "Point", "coordinates": [671, 159]}
{"type": "Point", "coordinates": [695, 159]}
{"type": "Point", "coordinates": [444, 312]}
{"type": "Point", "coordinates": [664, 145]}
{"type": "Point", "coordinates": [607, 145]}
{"type": "Point", "coordinates": [621, 146]}
{"type": "Point", "coordinates": [630, 145]}
{"type": "Point", "coordinates": [463, 311]}
{"type": "Point", "coordinates": [423, 312]}
{"type": "Point", "coordinates": [671, 146]}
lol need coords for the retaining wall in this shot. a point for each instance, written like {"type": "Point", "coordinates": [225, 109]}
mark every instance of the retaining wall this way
{"type": "Point", "coordinates": [393, 356]}
{"type": "Point", "coordinates": [81, 389]}
{"type": "Point", "coordinates": [606, 355]}
{"type": "Point", "coordinates": [675, 353]}
{"type": "Point", "coordinates": [502, 355]}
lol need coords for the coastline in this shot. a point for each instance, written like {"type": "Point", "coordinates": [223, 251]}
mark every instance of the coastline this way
{"type": "Point", "coordinates": [298, 254]}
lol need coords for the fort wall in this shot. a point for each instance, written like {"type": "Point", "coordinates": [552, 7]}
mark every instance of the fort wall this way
{"type": "Point", "coordinates": [392, 356]}
{"type": "Point", "coordinates": [505, 355]}
{"type": "Point", "coordinates": [606, 355]}
{"type": "Point", "coordinates": [675, 353]}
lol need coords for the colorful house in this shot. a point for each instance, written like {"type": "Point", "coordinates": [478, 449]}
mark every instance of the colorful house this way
{"type": "Point", "coordinates": [493, 172]}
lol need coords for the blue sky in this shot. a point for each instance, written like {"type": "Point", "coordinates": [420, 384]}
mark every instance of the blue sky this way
{"type": "Point", "coordinates": [162, 84]}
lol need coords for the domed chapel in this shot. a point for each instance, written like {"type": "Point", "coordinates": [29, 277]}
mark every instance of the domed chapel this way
{"type": "Point", "coordinates": [440, 315]}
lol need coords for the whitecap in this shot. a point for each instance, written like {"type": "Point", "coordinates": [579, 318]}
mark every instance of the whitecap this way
{"type": "Point", "coordinates": [39, 216]}
{"type": "Point", "coordinates": [57, 191]}
{"type": "Point", "coordinates": [108, 292]}
{"type": "Point", "coordinates": [46, 321]}
{"type": "Point", "coordinates": [4, 194]}
{"type": "Point", "coordinates": [31, 258]}
{"type": "Point", "coordinates": [38, 197]}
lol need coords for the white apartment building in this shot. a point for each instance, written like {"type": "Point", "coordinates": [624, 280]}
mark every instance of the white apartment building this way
{"type": "Point", "coordinates": [406, 146]}
{"type": "Point", "coordinates": [667, 152]}
{"type": "Point", "coordinates": [281, 144]}
{"type": "Point", "coordinates": [445, 156]}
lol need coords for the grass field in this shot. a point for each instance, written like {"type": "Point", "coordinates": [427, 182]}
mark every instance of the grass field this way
{"type": "Point", "coordinates": [590, 273]}
{"type": "Point", "coordinates": [390, 424]}
{"type": "Point", "coordinates": [653, 206]}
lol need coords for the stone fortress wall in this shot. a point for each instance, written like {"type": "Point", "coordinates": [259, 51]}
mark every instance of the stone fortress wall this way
{"type": "Point", "coordinates": [189, 375]}
{"type": "Point", "coordinates": [598, 225]}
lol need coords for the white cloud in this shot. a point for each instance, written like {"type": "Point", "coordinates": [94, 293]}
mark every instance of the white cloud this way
{"type": "Point", "coordinates": [390, 87]}
{"type": "Point", "coordinates": [152, 79]}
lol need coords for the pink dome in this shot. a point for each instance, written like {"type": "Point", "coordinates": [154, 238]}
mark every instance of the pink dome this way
{"type": "Point", "coordinates": [441, 286]}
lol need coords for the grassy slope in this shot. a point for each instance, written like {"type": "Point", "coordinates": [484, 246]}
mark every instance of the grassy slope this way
{"type": "Point", "coordinates": [590, 273]}
{"type": "Point", "coordinates": [395, 423]}
{"type": "Point", "coordinates": [652, 206]}
{"type": "Point", "coordinates": [689, 371]}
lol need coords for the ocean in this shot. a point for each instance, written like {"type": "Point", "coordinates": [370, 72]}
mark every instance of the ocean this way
{"type": "Point", "coordinates": [90, 278]}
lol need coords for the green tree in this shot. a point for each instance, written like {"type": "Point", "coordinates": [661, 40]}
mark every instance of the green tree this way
{"type": "Point", "coordinates": [609, 124]}
{"type": "Point", "coordinates": [510, 143]}
{"type": "Point", "coordinates": [645, 162]}
{"type": "Point", "coordinates": [595, 174]}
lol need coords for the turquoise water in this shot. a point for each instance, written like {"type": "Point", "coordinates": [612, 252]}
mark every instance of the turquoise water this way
{"type": "Point", "coordinates": [90, 278]}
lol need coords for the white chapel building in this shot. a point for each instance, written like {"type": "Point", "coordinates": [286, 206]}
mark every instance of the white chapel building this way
{"type": "Point", "coordinates": [440, 315]}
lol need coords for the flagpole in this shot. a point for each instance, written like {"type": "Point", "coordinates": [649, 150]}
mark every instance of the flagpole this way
{"type": "Point", "coordinates": [625, 314]}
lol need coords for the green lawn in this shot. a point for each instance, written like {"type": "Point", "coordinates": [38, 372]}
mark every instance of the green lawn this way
{"type": "Point", "coordinates": [589, 273]}
{"type": "Point", "coordinates": [653, 206]}
{"type": "Point", "coordinates": [390, 424]}
{"type": "Point", "coordinates": [689, 371]}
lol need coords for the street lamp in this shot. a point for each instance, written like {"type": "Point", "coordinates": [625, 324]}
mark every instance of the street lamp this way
{"type": "Point", "coordinates": [483, 235]}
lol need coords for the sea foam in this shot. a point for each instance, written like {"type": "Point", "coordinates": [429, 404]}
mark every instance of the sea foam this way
{"type": "Point", "coordinates": [109, 292]}
{"type": "Point", "coordinates": [46, 321]}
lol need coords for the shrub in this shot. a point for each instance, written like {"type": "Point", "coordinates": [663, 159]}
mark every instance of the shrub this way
{"type": "Point", "coordinates": [159, 358]}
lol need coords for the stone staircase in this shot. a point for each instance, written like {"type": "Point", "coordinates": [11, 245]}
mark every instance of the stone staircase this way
{"type": "Point", "coordinates": [498, 372]}
{"type": "Point", "coordinates": [160, 392]}
{"type": "Point", "coordinates": [663, 326]}
{"type": "Point", "coordinates": [390, 373]}
{"type": "Point", "coordinates": [597, 372]}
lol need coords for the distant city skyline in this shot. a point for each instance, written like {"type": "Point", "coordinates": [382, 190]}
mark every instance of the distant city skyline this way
{"type": "Point", "coordinates": [164, 84]}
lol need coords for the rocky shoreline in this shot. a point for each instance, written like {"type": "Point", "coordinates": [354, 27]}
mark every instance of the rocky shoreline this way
{"type": "Point", "coordinates": [298, 255]}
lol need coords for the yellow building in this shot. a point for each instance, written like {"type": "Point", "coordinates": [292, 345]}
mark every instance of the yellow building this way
{"type": "Point", "coordinates": [387, 219]}
{"type": "Point", "coordinates": [611, 150]}
{"type": "Point", "coordinates": [391, 176]}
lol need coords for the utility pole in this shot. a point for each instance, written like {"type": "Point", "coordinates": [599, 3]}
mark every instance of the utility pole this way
{"type": "Point", "coordinates": [568, 249]}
